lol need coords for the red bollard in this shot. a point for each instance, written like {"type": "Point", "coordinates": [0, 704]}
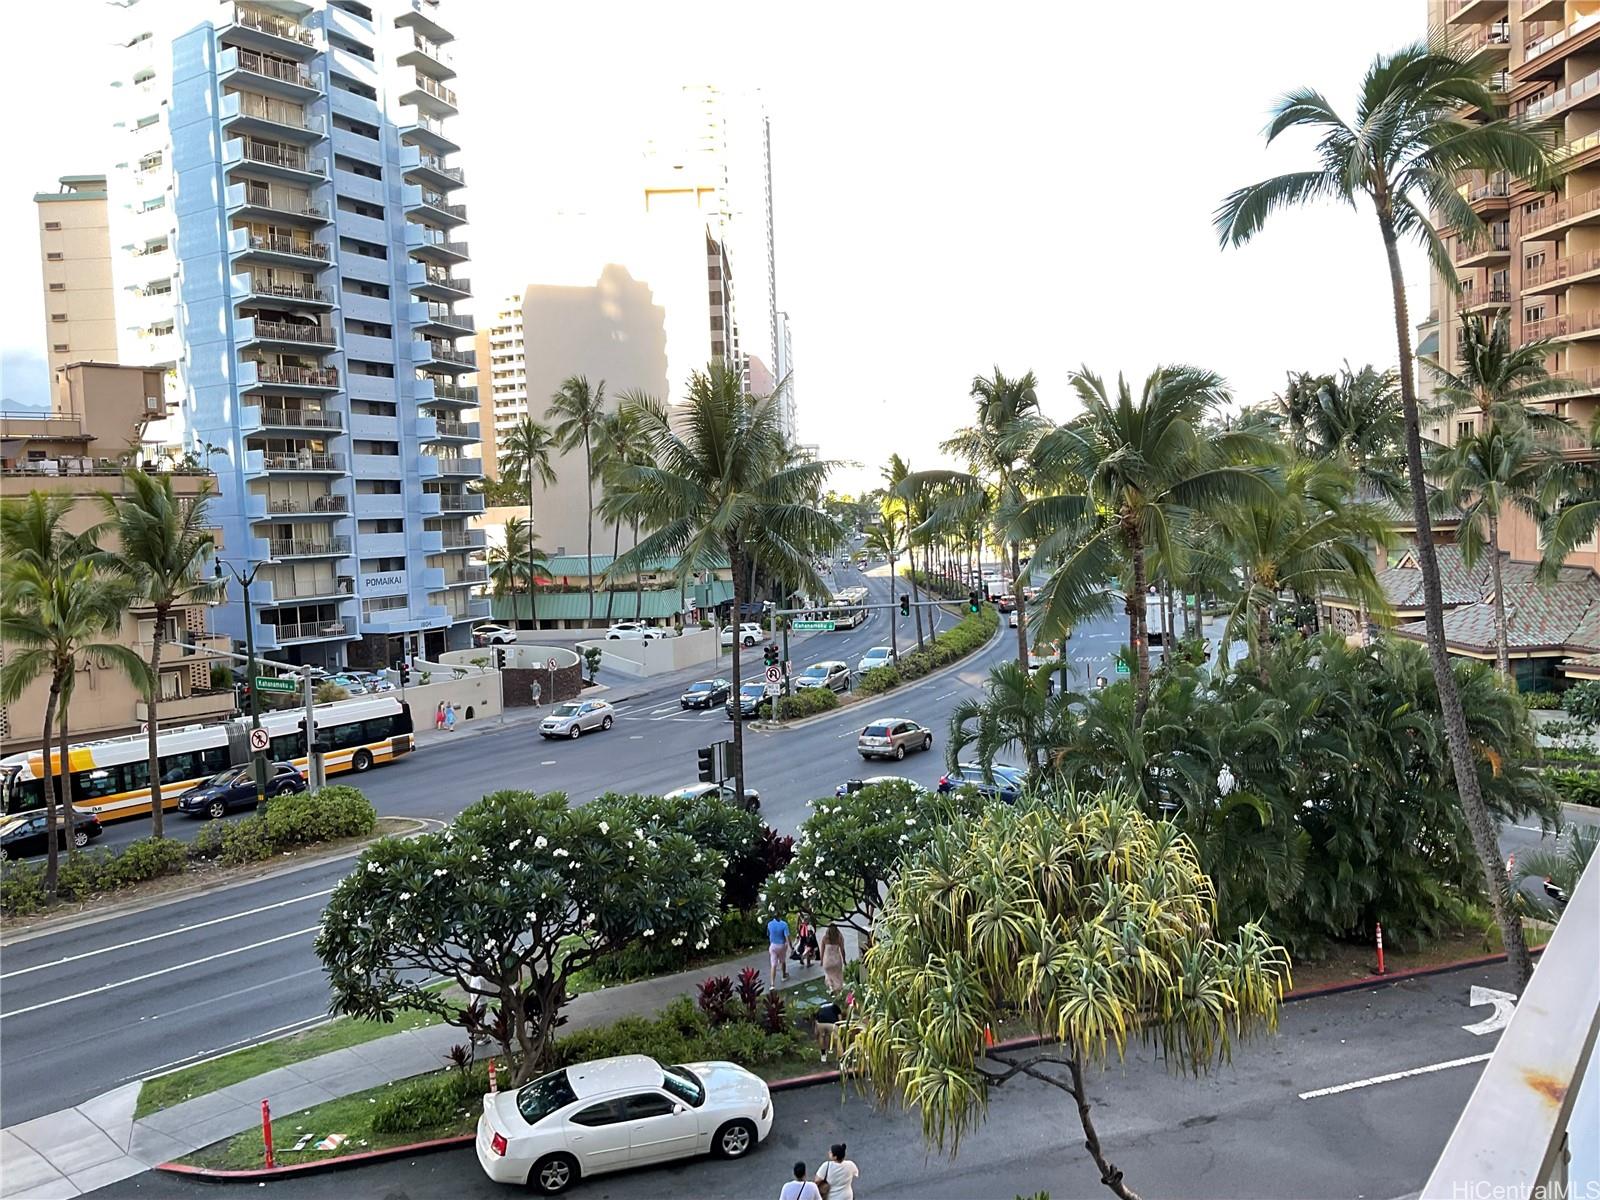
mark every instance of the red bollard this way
{"type": "Point", "coordinates": [1382, 970]}
{"type": "Point", "coordinates": [266, 1132]}
{"type": "Point", "coordinates": [494, 1083]}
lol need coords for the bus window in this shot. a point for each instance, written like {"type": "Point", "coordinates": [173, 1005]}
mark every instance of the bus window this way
{"type": "Point", "coordinates": [377, 729]}
{"type": "Point", "coordinates": [212, 761]}
{"type": "Point", "coordinates": [98, 783]}
{"type": "Point", "coordinates": [288, 745]}
{"type": "Point", "coordinates": [176, 767]}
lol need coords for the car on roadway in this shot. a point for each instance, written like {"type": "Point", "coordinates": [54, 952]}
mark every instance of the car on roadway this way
{"type": "Point", "coordinates": [1006, 603]}
{"type": "Point", "coordinates": [695, 791]}
{"type": "Point", "coordinates": [851, 786]}
{"type": "Point", "coordinates": [493, 635]}
{"type": "Point", "coordinates": [576, 718]}
{"type": "Point", "coordinates": [750, 632]}
{"type": "Point", "coordinates": [634, 631]}
{"type": "Point", "coordinates": [614, 1114]}
{"type": "Point", "coordinates": [1006, 785]}
{"type": "Point", "coordinates": [743, 705]}
{"type": "Point", "coordinates": [24, 834]}
{"type": "Point", "coordinates": [352, 684]}
{"type": "Point", "coordinates": [704, 693]}
{"type": "Point", "coordinates": [236, 788]}
{"type": "Point", "coordinates": [893, 737]}
{"type": "Point", "coordinates": [1012, 620]}
{"type": "Point", "coordinates": [878, 656]}
{"type": "Point", "coordinates": [835, 675]}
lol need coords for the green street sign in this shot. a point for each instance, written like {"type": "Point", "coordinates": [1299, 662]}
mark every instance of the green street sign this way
{"type": "Point", "coordinates": [813, 627]}
{"type": "Point", "coordinates": [1122, 668]}
{"type": "Point", "coordinates": [276, 683]}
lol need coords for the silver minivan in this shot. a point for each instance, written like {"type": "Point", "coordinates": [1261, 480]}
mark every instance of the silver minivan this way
{"type": "Point", "coordinates": [892, 738]}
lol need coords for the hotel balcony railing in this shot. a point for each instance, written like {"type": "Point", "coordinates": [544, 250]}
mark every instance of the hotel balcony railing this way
{"type": "Point", "coordinates": [271, 372]}
{"type": "Point", "coordinates": [436, 89]}
{"type": "Point", "coordinates": [1534, 49]}
{"type": "Point", "coordinates": [433, 50]}
{"type": "Point", "coordinates": [1571, 94]}
{"type": "Point", "coordinates": [1532, 1124]}
{"type": "Point", "coordinates": [275, 155]}
{"type": "Point", "coordinates": [444, 427]}
{"type": "Point", "coordinates": [339, 544]}
{"type": "Point", "coordinates": [261, 195]}
{"type": "Point", "coordinates": [300, 418]}
{"type": "Point", "coordinates": [304, 461]}
{"type": "Point", "coordinates": [1562, 268]}
{"type": "Point", "coordinates": [1499, 239]}
{"type": "Point", "coordinates": [472, 574]}
{"type": "Point", "coordinates": [1575, 147]}
{"type": "Point", "coordinates": [454, 391]}
{"type": "Point", "coordinates": [438, 201]}
{"type": "Point", "coordinates": [441, 277]}
{"type": "Point", "coordinates": [261, 22]}
{"type": "Point", "coordinates": [1474, 40]}
{"type": "Point", "coordinates": [436, 164]}
{"type": "Point", "coordinates": [300, 631]}
{"type": "Point", "coordinates": [278, 114]}
{"type": "Point", "coordinates": [1561, 325]}
{"type": "Point", "coordinates": [278, 244]}
{"type": "Point", "coordinates": [271, 68]}
{"type": "Point", "coordinates": [460, 501]}
{"type": "Point", "coordinates": [1472, 297]}
{"type": "Point", "coordinates": [463, 541]}
{"type": "Point", "coordinates": [288, 589]}
{"type": "Point", "coordinates": [450, 465]}
{"type": "Point", "coordinates": [1553, 214]}
{"type": "Point", "coordinates": [308, 504]}
{"type": "Point", "coordinates": [310, 292]}
{"type": "Point", "coordinates": [444, 353]}
{"type": "Point", "coordinates": [289, 331]}
{"type": "Point", "coordinates": [1494, 188]}
{"type": "Point", "coordinates": [444, 315]}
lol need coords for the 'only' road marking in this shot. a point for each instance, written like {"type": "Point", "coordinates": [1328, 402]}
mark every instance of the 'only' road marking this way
{"type": "Point", "coordinates": [108, 987]}
{"type": "Point", "coordinates": [1377, 1079]}
{"type": "Point", "coordinates": [155, 937]}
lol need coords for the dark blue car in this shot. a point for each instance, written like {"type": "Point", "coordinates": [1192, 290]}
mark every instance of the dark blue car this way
{"type": "Point", "coordinates": [1007, 783]}
{"type": "Point", "coordinates": [236, 788]}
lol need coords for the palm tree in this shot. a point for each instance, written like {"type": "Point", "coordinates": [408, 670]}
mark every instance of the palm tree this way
{"type": "Point", "coordinates": [907, 497]}
{"type": "Point", "coordinates": [1306, 541]}
{"type": "Point", "coordinates": [1357, 421]}
{"type": "Point", "coordinates": [525, 454]}
{"type": "Point", "coordinates": [621, 442]}
{"type": "Point", "coordinates": [578, 410]}
{"type": "Point", "coordinates": [1500, 379]}
{"type": "Point", "coordinates": [720, 487]}
{"type": "Point", "coordinates": [1483, 475]}
{"type": "Point", "coordinates": [888, 538]}
{"type": "Point", "coordinates": [53, 618]}
{"type": "Point", "coordinates": [164, 540]}
{"type": "Point", "coordinates": [1145, 467]}
{"type": "Point", "coordinates": [997, 449]}
{"type": "Point", "coordinates": [512, 565]}
{"type": "Point", "coordinates": [1408, 149]}
{"type": "Point", "coordinates": [1017, 710]}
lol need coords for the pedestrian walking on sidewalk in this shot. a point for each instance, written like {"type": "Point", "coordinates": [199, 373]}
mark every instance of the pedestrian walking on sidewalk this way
{"type": "Point", "coordinates": [438, 716]}
{"type": "Point", "coordinates": [833, 958]}
{"type": "Point", "coordinates": [777, 950]}
{"type": "Point", "coordinates": [836, 1177]}
{"type": "Point", "coordinates": [800, 1188]}
{"type": "Point", "coordinates": [449, 718]}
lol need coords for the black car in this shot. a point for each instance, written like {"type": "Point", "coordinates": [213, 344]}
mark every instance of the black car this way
{"type": "Point", "coordinates": [236, 788]}
{"type": "Point", "coordinates": [24, 834]}
{"type": "Point", "coordinates": [750, 695]}
{"type": "Point", "coordinates": [703, 693]}
{"type": "Point", "coordinates": [1007, 785]}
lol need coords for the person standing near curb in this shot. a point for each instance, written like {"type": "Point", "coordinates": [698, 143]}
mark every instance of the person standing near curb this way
{"type": "Point", "coordinates": [800, 1188]}
{"type": "Point", "coordinates": [837, 1176]}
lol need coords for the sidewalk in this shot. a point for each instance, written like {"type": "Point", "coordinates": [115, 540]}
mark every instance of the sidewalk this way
{"type": "Point", "coordinates": [76, 1150]}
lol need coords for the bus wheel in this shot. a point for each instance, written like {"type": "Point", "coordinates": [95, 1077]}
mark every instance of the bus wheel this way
{"type": "Point", "coordinates": [360, 761]}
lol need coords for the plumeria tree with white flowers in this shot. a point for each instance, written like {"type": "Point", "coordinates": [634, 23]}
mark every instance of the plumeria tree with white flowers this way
{"type": "Point", "coordinates": [850, 846]}
{"type": "Point", "coordinates": [507, 903]}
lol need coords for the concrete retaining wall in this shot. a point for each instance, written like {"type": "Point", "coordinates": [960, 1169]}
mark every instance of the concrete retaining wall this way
{"type": "Point", "coordinates": [641, 658]}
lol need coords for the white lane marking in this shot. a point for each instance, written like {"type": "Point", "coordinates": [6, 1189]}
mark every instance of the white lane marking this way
{"type": "Point", "coordinates": [632, 737]}
{"type": "Point", "coordinates": [549, 762]}
{"type": "Point", "coordinates": [1377, 1079]}
{"type": "Point", "coordinates": [1505, 1003]}
{"type": "Point", "coordinates": [155, 937]}
{"type": "Point", "coordinates": [947, 695]}
{"type": "Point", "coordinates": [121, 983]}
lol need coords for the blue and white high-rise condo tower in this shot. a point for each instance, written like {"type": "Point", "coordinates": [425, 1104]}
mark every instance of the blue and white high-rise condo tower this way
{"type": "Point", "coordinates": [317, 278]}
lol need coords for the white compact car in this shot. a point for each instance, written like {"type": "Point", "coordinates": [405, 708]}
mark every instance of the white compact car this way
{"type": "Point", "coordinates": [634, 630]}
{"type": "Point", "coordinates": [615, 1113]}
{"type": "Point", "coordinates": [878, 656]}
{"type": "Point", "coordinates": [493, 635]}
{"type": "Point", "coordinates": [750, 632]}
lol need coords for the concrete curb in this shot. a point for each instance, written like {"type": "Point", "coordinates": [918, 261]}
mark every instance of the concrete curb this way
{"type": "Point", "coordinates": [132, 906]}
{"type": "Point", "coordinates": [777, 1085]}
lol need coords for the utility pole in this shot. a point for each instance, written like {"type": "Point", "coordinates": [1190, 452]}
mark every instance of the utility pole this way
{"type": "Point", "coordinates": [314, 775]}
{"type": "Point", "coordinates": [258, 762]}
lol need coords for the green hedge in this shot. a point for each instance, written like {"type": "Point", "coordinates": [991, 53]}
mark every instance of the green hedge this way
{"type": "Point", "coordinates": [805, 702]}
{"type": "Point", "coordinates": [971, 633]}
{"type": "Point", "coordinates": [1573, 785]}
{"type": "Point", "coordinates": [1542, 700]}
{"type": "Point", "coordinates": [89, 872]}
{"type": "Point", "coordinates": [878, 679]}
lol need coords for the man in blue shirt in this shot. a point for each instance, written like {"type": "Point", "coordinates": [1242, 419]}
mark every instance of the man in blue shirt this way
{"type": "Point", "coordinates": [777, 950]}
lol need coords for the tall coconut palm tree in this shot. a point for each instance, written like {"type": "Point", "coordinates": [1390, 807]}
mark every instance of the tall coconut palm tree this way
{"type": "Point", "coordinates": [525, 456]}
{"type": "Point", "coordinates": [888, 538]}
{"type": "Point", "coordinates": [164, 541]}
{"type": "Point", "coordinates": [1406, 152]}
{"type": "Point", "coordinates": [51, 619]}
{"type": "Point", "coordinates": [1145, 466]}
{"type": "Point", "coordinates": [720, 487]}
{"type": "Point", "coordinates": [1500, 379]}
{"type": "Point", "coordinates": [997, 448]}
{"type": "Point", "coordinates": [1483, 475]}
{"type": "Point", "coordinates": [1305, 541]}
{"type": "Point", "coordinates": [513, 565]}
{"type": "Point", "coordinates": [577, 409]}
{"type": "Point", "coordinates": [1356, 420]}
{"type": "Point", "coordinates": [907, 497]}
{"type": "Point", "coordinates": [620, 442]}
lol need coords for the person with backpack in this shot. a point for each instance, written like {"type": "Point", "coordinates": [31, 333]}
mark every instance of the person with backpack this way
{"type": "Point", "coordinates": [800, 1188]}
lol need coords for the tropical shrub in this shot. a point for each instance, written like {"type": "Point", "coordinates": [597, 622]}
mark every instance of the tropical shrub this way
{"type": "Point", "coordinates": [1573, 785]}
{"type": "Point", "coordinates": [805, 702]}
{"type": "Point", "coordinates": [878, 680]}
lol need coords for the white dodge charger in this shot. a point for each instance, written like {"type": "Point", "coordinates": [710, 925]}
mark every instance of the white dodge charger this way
{"type": "Point", "coordinates": [620, 1112]}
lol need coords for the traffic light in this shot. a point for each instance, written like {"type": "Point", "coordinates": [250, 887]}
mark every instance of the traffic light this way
{"type": "Point", "coordinates": [708, 768]}
{"type": "Point", "coordinates": [905, 605]}
{"type": "Point", "coordinates": [499, 658]}
{"type": "Point", "coordinates": [974, 601]}
{"type": "Point", "coordinates": [769, 654]}
{"type": "Point", "coordinates": [730, 761]}
{"type": "Point", "coordinates": [405, 674]}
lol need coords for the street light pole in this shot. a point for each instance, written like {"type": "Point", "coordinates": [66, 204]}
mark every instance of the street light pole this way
{"type": "Point", "coordinates": [258, 762]}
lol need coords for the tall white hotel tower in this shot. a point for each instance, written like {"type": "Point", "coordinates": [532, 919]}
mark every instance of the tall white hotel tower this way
{"type": "Point", "coordinates": [284, 238]}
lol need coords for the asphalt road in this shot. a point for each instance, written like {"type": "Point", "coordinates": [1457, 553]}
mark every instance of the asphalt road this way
{"type": "Point", "coordinates": [1247, 1130]}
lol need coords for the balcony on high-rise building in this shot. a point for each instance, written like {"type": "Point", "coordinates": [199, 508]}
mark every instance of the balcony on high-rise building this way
{"type": "Point", "coordinates": [428, 56]}
{"type": "Point", "coordinates": [430, 282]}
{"type": "Point", "coordinates": [278, 160]}
{"type": "Point", "coordinates": [430, 96]}
{"type": "Point", "coordinates": [277, 371]}
{"type": "Point", "coordinates": [425, 204]}
{"type": "Point", "coordinates": [1496, 244]}
{"type": "Point", "coordinates": [252, 199]}
{"type": "Point", "coordinates": [287, 247]}
{"type": "Point", "coordinates": [433, 246]}
{"type": "Point", "coordinates": [1544, 56]}
{"type": "Point", "coordinates": [433, 317]}
{"type": "Point", "coordinates": [1474, 11]}
{"type": "Point", "coordinates": [277, 291]}
{"type": "Point", "coordinates": [270, 32]}
{"type": "Point", "coordinates": [267, 73]}
{"type": "Point", "coordinates": [267, 331]}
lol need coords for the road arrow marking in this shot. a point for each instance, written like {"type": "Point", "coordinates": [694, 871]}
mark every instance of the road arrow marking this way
{"type": "Point", "coordinates": [1505, 1003]}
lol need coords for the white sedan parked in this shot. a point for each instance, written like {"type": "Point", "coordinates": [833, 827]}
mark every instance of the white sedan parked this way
{"type": "Point", "coordinates": [615, 1113]}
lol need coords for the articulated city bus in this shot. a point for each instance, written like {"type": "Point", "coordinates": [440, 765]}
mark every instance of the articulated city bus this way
{"type": "Point", "coordinates": [843, 610]}
{"type": "Point", "coordinates": [111, 778]}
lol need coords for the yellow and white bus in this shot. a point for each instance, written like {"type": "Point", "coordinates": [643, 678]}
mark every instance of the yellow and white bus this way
{"type": "Point", "coordinates": [111, 778]}
{"type": "Point", "coordinates": [844, 611]}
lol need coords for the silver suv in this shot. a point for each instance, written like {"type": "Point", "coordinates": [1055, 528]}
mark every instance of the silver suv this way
{"type": "Point", "coordinates": [892, 737]}
{"type": "Point", "coordinates": [835, 675]}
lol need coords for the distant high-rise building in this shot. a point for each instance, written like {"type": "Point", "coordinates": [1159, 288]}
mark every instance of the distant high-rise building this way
{"type": "Point", "coordinates": [75, 257]}
{"type": "Point", "coordinates": [285, 238]}
{"type": "Point", "coordinates": [791, 408]}
{"type": "Point", "coordinates": [508, 372]}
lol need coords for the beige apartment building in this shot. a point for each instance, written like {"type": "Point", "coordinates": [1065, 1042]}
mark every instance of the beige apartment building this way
{"type": "Point", "coordinates": [75, 260]}
{"type": "Point", "coordinates": [79, 448]}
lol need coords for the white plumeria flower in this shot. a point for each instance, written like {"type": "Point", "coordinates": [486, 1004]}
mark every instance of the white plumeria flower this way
{"type": "Point", "coordinates": [540, 842]}
{"type": "Point", "coordinates": [559, 853]}
{"type": "Point", "coordinates": [649, 933]}
{"type": "Point", "coordinates": [604, 827]}
{"type": "Point", "coordinates": [405, 896]}
{"type": "Point", "coordinates": [514, 844]}
{"type": "Point", "coordinates": [829, 872]}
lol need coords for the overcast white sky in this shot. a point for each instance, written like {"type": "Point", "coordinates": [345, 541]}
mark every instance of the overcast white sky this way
{"type": "Point", "coordinates": [954, 186]}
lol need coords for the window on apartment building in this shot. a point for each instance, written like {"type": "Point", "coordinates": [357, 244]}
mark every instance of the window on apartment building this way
{"type": "Point", "coordinates": [52, 224]}
{"type": "Point", "coordinates": [391, 563]}
{"type": "Point", "coordinates": [377, 487]}
{"type": "Point", "coordinates": [1532, 206]}
{"type": "Point", "coordinates": [376, 291]}
{"type": "Point", "coordinates": [360, 128]}
{"type": "Point", "coordinates": [388, 525]}
{"type": "Point", "coordinates": [58, 317]}
{"type": "Point", "coordinates": [356, 166]}
{"type": "Point", "coordinates": [345, 84]}
{"type": "Point", "coordinates": [369, 329]}
{"type": "Point", "coordinates": [60, 348]}
{"type": "Point", "coordinates": [1535, 313]}
{"type": "Point", "coordinates": [365, 249]}
{"type": "Point", "coordinates": [1464, 429]}
{"type": "Point", "coordinates": [1533, 261]}
{"type": "Point", "coordinates": [52, 256]}
{"type": "Point", "coordinates": [147, 121]}
{"type": "Point", "coordinates": [351, 45]}
{"type": "Point", "coordinates": [359, 366]}
{"type": "Point", "coordinates": [58, 287]}
{"type": "Point", "coordinates": [360, 208]}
